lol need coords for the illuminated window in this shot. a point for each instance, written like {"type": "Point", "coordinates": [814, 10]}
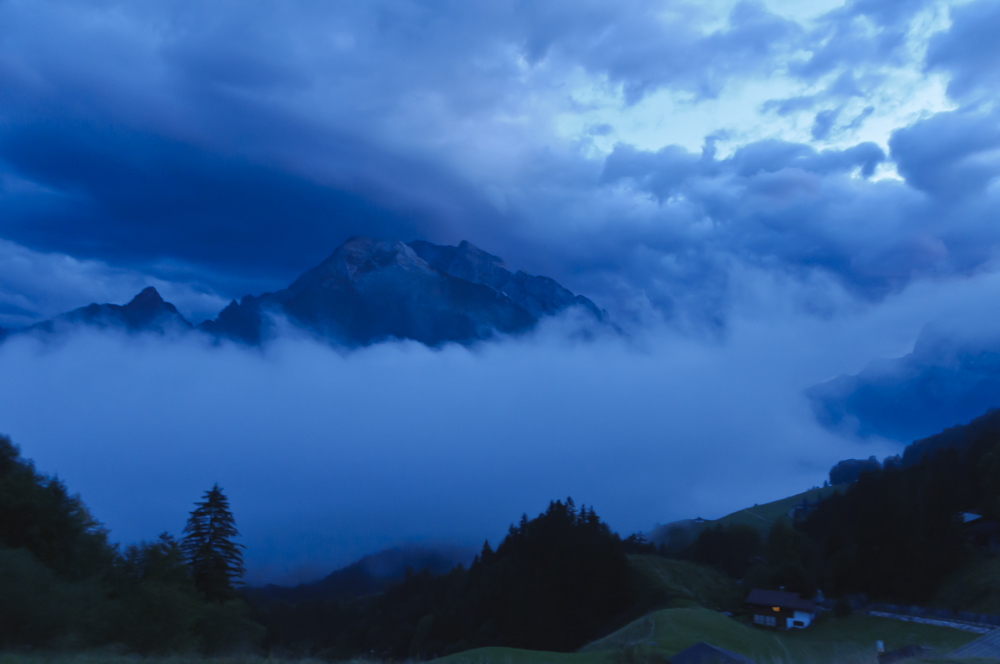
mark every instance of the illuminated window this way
{"type": "Point", "coordinates": [771, 621]}
{"type": "Point", "coordinates": [776, 608]}
{"type": "Point", "coordinates": [759, 619]}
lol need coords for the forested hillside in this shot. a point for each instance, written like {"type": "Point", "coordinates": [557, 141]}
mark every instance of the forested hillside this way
{"type": "Point", "coordinates": [893, 532]}
{"type": "Point", "coordinates": [64, 584]}
{"type": "Point", "coordinates": [555, 582]}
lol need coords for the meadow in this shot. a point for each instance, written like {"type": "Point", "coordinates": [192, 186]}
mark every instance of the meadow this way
{"type": "Point", "coordinates": [662, 634]}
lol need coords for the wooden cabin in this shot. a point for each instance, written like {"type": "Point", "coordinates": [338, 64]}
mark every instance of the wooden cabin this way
{"type": "Point", "coordinates": [778, 609]}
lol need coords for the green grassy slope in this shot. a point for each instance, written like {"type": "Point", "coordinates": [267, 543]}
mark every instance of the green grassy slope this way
{"type": "Point", "coordinates": [688, 584]}
{"type": "Point", "coordinates": [518, 656]}
{"type": "Point", "coordinates": [762, 516]}
{"type": "Point", "coordinates": [662, 634]}
{"type": "Point", "coordinates": [976, 588]}
{"type": "Point", "coordinates": [758, 516]}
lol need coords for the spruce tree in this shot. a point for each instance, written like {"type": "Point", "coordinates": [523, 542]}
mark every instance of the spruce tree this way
{"type": "Point", "coordinates": [215, 559]}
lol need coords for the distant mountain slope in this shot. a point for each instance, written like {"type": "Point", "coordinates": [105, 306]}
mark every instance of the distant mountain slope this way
{"type": "Point", "coordinates": [960, 437]}
{"type": "Point", "coordinates": [761, 517]}
{"type": "Point", "coordinates": [944, 381]}
{"type": "Point", "coordinates": [369, 290]}
{"type": "Point", "coordinates": [539, 296]}
{"type": "Point", "coordinates": [146, 312]}
{"type": "Point", "coordinates": [371, 574]}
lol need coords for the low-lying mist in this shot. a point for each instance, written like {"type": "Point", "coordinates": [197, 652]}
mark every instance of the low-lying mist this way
{"type": "Point", "coordinates": [328, 455]}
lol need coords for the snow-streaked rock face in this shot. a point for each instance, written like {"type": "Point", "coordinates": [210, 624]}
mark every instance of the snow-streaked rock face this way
{"type": "Point", "coordinates": [367, 291]}
{"type": "Point", "coordinates": [539, 296]}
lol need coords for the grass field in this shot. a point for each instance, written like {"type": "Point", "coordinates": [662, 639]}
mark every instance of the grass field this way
{"type": "Point", "coordinates": [761, 517]}
{"type": "Point", "coordinates": [688, 584]}
{"type": "Point", "coordinates": [662, 634]}
{"type": "Point", "coordinates": [653, 639]}
{"type": "Point", "coordinates": [975, 588]}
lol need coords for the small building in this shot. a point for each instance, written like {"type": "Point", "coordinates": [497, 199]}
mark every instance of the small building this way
{"type": "Point", "coordinates": [780, 609]}
{"type": "Point", "coordinates": [981, 533]}
{"type": "Point", "coordinates": [702, 653]}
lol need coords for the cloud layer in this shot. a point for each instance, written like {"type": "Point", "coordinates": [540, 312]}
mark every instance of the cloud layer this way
{"type": "Point", "coordinates": [240, 146]}
{"type": "Point", "coordinates": [329, 456]}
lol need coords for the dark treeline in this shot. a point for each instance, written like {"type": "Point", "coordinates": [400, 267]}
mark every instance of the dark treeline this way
{"type": "Point", "coordinates": [554, 583]}
{"type": "Point", "coordinates": [893, 534]}
{"type": "Point", "coordinates": [65, 585]}
{"type": "Point", "coordinates": [783, 557]}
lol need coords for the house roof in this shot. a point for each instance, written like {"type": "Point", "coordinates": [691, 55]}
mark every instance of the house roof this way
{"type": "Point", "coordinates": [780, 598]}
{"type": "Point", "coordinates": [702, 653]}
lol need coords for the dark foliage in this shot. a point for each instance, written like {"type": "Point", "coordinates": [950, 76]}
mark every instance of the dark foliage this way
{"type": "Point", "coordinates": [63, 585]}
{"type": "Point", "coordinates": [38, 514]}
{"type": "Point", "coordinates": [789, 561]}
{"type": "Point", "coordinates": [849, 470]}
{"type": "Point", "coordinates": [372, 574]}
{"type": "Point", "coordinates": [554, 583]}
{"type": "Point", "coordinates": [638, 544]}
{"type": "Point", "coordinates": [731, 549]}
{"type": "Point", "coordinates": [958, 438]}
{"type": "Point", "coordinates": [215, 559]}
{"type": "Point", "coordinates": [894, 534]}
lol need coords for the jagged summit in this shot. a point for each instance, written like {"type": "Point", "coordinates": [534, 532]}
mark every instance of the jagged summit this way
{"type": "Point", "coordinates": [148, 298]}
{"type": "Point", "coordinates": [466, 261]}
{"type": "Point", "coordinates": [366, 291]}
{"type": "Point", "coordinates": [358, 257]}
{"type": "Point", "coordinates": [369, 289]}
{"type": "Point", "coordinates": [146, 312]}
{"type": "Point", "coordinates": [539, 296]}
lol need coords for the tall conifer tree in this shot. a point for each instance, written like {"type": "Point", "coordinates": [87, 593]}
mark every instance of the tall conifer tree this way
{"type": "Point", "coordinates": [216, 560]}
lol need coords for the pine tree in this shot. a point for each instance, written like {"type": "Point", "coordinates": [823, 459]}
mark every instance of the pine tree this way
{"type": "Point", "coordinates": [216, 561]}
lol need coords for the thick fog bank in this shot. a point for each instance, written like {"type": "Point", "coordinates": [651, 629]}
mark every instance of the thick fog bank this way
{"type": "Point", "coordinates": [328, 455]}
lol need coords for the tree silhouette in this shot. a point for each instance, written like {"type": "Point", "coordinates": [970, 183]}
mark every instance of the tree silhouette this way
{"type": "Point", "coordinates": [216, 561]}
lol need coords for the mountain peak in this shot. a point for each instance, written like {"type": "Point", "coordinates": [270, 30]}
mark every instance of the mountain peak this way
{"type": "Point", "coordinates": [369, 290]}
{"type": "Point", "coordinates": [354, 259]}
{"type": "Point", "coordinates": [148, 297]}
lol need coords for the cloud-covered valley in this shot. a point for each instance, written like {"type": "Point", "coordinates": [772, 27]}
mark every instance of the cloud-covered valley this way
{"type": "Point", "coordinates": [330, 454]}
{"type": "Point", "coordinates": [763, 195]}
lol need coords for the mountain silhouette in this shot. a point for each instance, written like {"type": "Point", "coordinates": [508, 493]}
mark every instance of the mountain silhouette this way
{"type": "Point", "coordinates": [146, 312]}
{"type": "Point", "coordinates": [368, 291]}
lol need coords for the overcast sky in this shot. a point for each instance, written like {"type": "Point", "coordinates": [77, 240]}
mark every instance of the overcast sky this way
{"type": "Point", "coordinates": [765, 195]}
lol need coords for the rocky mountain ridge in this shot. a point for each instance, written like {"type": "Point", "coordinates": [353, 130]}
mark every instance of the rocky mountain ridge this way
{"type": "Point", "coordinates": [367, 291]}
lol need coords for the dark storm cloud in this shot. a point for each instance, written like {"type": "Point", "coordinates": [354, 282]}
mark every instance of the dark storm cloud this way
{"type": "Point", "coordinates": [969, 50]}
{"type": "Point", "coordinates": [643, 46]}
{"type": "Point", "coordinates": [242, 144]}
{"type": "Point", "coordinates": [789, 206]}
{"type": "Point", "coordinates": [950, 155]}
{"type": "Point", "coordinates": [141, 196]}
{"type": "Point", "coordinates": [187, 131]}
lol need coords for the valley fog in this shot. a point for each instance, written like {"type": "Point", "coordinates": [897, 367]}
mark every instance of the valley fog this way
{"type": "Point", "coordinates": [329, 454]}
